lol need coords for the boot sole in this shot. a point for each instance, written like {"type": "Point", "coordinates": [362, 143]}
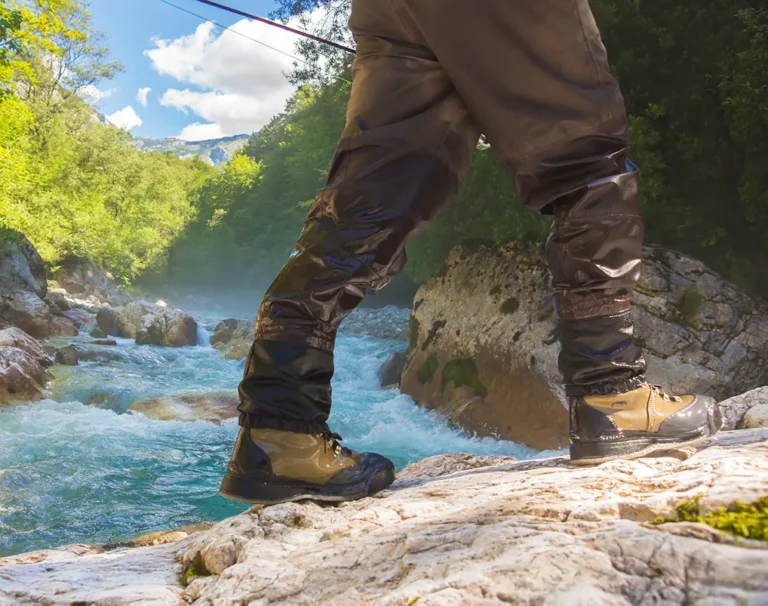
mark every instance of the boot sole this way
{"type": "Point", "coordinates": [256, 492]}
{"type": "Point", "coordinates": [594, 453]}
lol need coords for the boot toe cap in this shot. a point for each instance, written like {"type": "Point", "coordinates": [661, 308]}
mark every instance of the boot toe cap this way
{"type": "Point", "coordinates": [702, 414]}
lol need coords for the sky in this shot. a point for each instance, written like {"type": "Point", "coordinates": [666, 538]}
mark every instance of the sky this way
{"type": "Point", "coordinates": [187, 78]}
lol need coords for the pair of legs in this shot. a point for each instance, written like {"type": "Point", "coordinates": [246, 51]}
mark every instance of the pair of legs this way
{"type": "Point", "coordinates": [429, 77]}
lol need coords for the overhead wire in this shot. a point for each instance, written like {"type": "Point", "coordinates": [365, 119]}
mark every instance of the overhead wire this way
{"type": "Point", "coordinates": [263, 20]}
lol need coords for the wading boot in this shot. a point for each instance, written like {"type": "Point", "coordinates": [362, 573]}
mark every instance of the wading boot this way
{"type": "Point", "coordinates": [638, 423]}
{"type": "Point", "coordinates": [275, 466]}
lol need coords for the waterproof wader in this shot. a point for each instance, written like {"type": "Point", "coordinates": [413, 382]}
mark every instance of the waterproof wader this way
{"type": "Point", "coordinates": [428, 78]}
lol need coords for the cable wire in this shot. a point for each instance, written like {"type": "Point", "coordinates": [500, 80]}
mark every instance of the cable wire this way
{"type": "Point", "coordinates": [234, 31]}
{"type": "Point", "coordinates": [276, 24]}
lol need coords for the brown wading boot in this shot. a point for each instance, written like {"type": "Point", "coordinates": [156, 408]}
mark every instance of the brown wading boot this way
{"type": "Point", "coordinates": [275, 466]}
{"type": "Point", "coordinates": [638, 423]}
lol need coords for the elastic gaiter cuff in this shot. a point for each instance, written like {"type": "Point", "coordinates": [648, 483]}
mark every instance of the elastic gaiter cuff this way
{"type": "Point", "coordinates": [286, 385]}
{"type": "Point", "coordinates": [599, 355]}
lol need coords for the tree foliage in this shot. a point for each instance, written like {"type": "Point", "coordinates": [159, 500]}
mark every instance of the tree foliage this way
{"type": "Point", "coordinates": [74, 185]}
{"type": "Point", "coordinates": [695, 78]}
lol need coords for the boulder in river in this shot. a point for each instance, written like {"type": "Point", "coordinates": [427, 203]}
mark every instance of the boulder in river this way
{"type": "Point", "coordinates": [483, 348]}
{"type": "Point", "coordinates": [62, 327]}
{"type": "Point", "coordinates": [107, 321]}
{"type": "Point", "coordinates": [97, 333]}
{"type": "Point", "coordinates": [109, 342]}
{"type": "Point", "coordinates": [454, 529]}
{"type": "Point", "coordinates": [233, 337]}
{"type": "Point", "coordinates": [392, 370]}
{"type": "Point", "coordinates": [71, 355]}
{"type": "Point", "coordinates": [23, 376]}
{"type": "Point", "coordinates": [150, 324]}
{"type": "Point", "coordinates": [213, 407]}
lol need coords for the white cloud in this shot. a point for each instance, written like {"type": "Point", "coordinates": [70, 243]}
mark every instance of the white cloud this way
{"type": "Point", "coordinates": [241, 84]}
{"type": "Point", "coordinates": [126, 118]}
{"type": "Point", "coordinates": [92, 94]}
{"type": "Point", "coordinates": [201, 132]}
{"type": "Point", "coordinates": [141, 96]}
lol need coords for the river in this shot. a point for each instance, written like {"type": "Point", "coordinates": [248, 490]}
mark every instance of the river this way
{"type": "Point", "coordinates": [77, 473]}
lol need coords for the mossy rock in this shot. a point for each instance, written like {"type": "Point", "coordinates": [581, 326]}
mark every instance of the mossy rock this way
{"type": "Point", "coordinates": [749, 521]}
{"type": "Point", "coordinates": [510, 306]}
{"type": "Point", "coordinates": [463, 372]}
{"type": "Point", "coordinates": [427, 370]}
{"type": "Point", "coordinates": [413, 338]}
{"type": "Point", "coordinates": [691, 304]}
{"type": "Point", "coordinates": [196, 569]}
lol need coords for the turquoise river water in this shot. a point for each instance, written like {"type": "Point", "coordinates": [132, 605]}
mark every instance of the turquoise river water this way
{"type": "Point", "coordinates": [77, 473]}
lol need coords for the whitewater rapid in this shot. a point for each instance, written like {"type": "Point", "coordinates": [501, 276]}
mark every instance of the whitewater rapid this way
{"type": "Point", "coordinates": [72, 472]}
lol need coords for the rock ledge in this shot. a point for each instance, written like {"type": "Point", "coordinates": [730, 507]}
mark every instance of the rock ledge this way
{"type": "Point", "coordinates": [454, 529]}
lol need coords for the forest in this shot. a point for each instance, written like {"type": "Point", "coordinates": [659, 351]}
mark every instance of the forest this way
{"type": "Point", "coordinates": [695, 79]}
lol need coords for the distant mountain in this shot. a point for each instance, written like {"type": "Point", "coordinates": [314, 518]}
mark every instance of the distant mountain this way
{"type": "Point", "coordinates": [213, 151]}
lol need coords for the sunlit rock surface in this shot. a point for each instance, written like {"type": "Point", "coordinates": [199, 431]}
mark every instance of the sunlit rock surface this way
{"type": "Point", "coordinates": [214, 408]}
{"type": "Point", "coordinates": [233, 338]}
{"type": "Point", "coordinates": [151, 324]}
{"type": "Point", "coordinates": [453, 529]}
{"type": "Point", "coordinates": [483, 348]}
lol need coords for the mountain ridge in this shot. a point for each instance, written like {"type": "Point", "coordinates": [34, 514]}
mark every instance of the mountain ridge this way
{"type": "Point", "coordinates": [212, 151]}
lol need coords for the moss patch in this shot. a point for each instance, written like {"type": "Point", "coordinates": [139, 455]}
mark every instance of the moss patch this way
{"type": "Point", "coordinates": [433, 334]}
{"type": "Point", "coordinates": [510, 306]}
{"type": "Point", "coordinates": [742, 520]}
{"type": "Point", "coordinates": [463, 372]}
{"type": "Point", "coordinates": [691, 303]}
{"type": "Point", "coordinates": [413, 338]}
{"type": "Point", "coordinates": [427, 370]}
{"type": "Point", "coordinates": [196, 569]}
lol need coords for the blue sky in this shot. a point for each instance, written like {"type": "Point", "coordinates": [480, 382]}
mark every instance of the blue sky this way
{"type": "Point", "coordinates": [203, 82]}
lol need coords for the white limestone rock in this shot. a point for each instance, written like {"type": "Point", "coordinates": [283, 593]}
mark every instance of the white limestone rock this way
{"type": "Point", "coordinates": [457, 529]}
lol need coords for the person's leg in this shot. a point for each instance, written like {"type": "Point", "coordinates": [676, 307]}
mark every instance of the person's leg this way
{"type": "Point", "coordinates": [536, 77]}
{"type": "Point", "coordinates": [407, 144]}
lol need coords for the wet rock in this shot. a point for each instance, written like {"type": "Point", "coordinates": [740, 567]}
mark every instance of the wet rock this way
{"type": "Point", "coordinates": [15, 337]}
{"type": "Point", "coordinates": [71, 355]}
{"type": "Point", "coordinates": [110, 342]}
{"type": "Point", "coordinates": [107, 321]}
{"type": "Point", "coordinates": [733, 409]}
{"type": "Point", "coordinates": [67, 356]}
{"type": "Point", "coordinates": [483, 348]}
{"type": "Point", "coordinates": [233, 338]}
{"type": "Point", "coordinates": [392, 370]}
{"type": "Point", "coordinates": [23, 376]}
{"type": "Point", "coordinates": [465, 531]}
{"type": "Point", "coordinates": [97, 333]}
{"type": "Point", "coordinates": [150, 324]}
{"type": "Point", "coordinates": [21, 267]}
{"type": "Point", "coordinates": [214, 408]}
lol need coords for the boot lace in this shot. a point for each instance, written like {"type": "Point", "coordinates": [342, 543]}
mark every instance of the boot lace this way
{"type": "Point", "coordinates": [657, 389]}
{"type": "Point", "coordinates": [332, 440]}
